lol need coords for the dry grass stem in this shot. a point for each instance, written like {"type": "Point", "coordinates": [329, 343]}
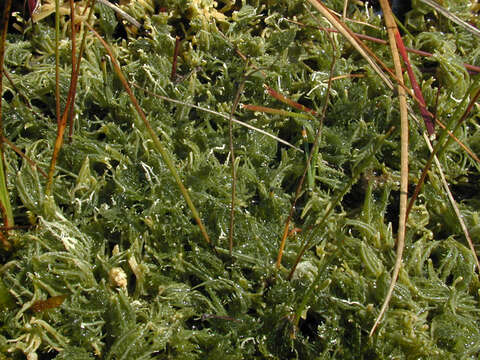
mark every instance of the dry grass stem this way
{"type": "Point", "coordinates": [470, 67]}
{"type": "Point", "coordinates": [392, 28]}
{"type": "Point", "coordinates": [352, 38]}
{"type": "Point", "coordinates": [226, 117]}
{"type": "Point", "coordinates": [121, 13]}
{"type": "Point", "coordinates": [452, 17]}
{"type": "Point", "coordinates": [453, 203]}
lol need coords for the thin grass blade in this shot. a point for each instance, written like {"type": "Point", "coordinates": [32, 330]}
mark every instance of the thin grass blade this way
{"type": "Point", "coordinates": [402, 216]}
{"type": "Point", "coordinates": [158, 144]}
{"type": "Point", "coordinates": [4, 196]}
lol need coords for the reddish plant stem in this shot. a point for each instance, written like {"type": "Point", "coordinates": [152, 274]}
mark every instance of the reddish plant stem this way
{"type": "Point", "coordinates": [287, 101]}
{"type": "Point", "coordinates": [22, 155]}
{"type": "Point", "coordinates": [63, 120]}
{"type": "Point", "coordinates": [427, 116]}
{"type": "Point", "coordinates": [436, 150]}
{"type": "Point", "coordinates": [470, 67]}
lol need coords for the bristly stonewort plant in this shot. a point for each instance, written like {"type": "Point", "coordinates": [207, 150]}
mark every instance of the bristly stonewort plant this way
{"type": "Point", "coordinates": [194, 179]}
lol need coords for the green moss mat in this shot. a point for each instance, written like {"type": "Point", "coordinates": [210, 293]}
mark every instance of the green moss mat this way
{"type": "Point", "coordinates": [118, 244]}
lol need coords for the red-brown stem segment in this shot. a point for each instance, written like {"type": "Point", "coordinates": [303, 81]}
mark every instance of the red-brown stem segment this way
{"type": "Point", "coordinates": [173, 75]}
{"type": "Point", "coordinates": [63, 120]}
{"type": "Point", "coordinates": [427, 116]}
{"type": "Point", "coordinates": [436, 150]}
{"type": "Point", "coordinates": [287, 101]}
{"type": "Point", "coordinates": [470, 67]}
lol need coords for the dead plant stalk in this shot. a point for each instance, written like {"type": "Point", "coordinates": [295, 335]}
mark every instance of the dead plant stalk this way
{"type": "Point", "coordinates": [392, 28]}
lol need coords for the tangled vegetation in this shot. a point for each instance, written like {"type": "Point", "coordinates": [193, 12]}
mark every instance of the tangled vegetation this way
{"type": "Point", "coordinates": [111, 263]}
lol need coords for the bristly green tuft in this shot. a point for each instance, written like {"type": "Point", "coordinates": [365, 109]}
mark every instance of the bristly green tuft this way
{"type": "Point", "coordinates": [115, 240]}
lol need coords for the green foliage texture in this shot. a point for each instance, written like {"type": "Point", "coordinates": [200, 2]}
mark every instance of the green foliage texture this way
{"type": "Point", "coordinates": [116, 209]}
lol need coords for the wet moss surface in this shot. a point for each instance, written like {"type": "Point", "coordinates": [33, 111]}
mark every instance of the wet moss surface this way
{"type": "Point", "coordinates": [113, 266]}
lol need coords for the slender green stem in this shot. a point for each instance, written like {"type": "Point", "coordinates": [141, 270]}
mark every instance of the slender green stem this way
{"type": "Point", "coordinates": [57, 60]}
{"type": "Point", "coordinates": [234, 170]}
{"type": "Point", "coordinates": [316, 144]}
{"type": "Point", "coordinates": [336, 200]}
{"type": "Point", "coordinates": [4, 198]}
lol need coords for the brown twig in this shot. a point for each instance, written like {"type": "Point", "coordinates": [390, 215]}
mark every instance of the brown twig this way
{"type": "Point", "coordinates": [287, 101]}
{"type": "Point", "coordinates": [346, 76]}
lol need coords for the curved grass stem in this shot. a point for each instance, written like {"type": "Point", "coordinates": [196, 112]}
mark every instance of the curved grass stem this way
{"type": "Point", "coordinates": [223, 116]}
{"type": "Point", "coordinates": [402, 216]}
{"type": "Point", "coordinates": [156, 141]}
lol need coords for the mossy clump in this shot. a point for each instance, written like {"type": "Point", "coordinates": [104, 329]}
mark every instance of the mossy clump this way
{"type": "Point", "coordinates": [113, 266]}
